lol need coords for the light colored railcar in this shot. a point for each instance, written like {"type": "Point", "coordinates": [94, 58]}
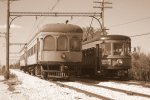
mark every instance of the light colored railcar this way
{"type": "Point", "coordinates": [22, 59]}
{"type": "Point", "coordinates": [107, 55]}
{"type": "Point", "coordinates": [55, 51]}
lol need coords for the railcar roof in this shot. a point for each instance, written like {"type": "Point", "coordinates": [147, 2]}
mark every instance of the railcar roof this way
{"type": "Point", "coordinates": [115, 37]}
{"type": "Point", "coordinates": [66, 28]}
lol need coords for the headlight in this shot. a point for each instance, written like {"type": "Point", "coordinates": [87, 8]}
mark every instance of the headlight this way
{"type": "Point", "coordinates": [109, 61]}
{"type": "Point", "coordinates": [63, 56]}
{"type": "Point", "coordinates": [120, 62]}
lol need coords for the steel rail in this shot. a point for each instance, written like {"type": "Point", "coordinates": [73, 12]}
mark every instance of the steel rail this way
{"type": "Point", "coordinates": [82, 91]}
{"type": "Point", "coordinates": [111, 88]}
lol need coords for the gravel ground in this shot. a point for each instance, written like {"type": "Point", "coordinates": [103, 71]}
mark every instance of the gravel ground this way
{"type": "Point", "coordinates": [27, 87]}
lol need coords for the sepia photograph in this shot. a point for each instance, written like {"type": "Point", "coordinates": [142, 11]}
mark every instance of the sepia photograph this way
{"type": "Point", "coordinates": [74, 50]}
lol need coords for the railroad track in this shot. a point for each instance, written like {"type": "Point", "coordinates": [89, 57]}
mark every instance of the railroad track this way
{"type": "Point", "coordinates": [82, 91]}
{"type": "Point", "coordinates": [98, 91]}
{"type": "Point", "coordinates": [74, 88]}
{"type": "Point", "coordinates": [119, 90]}
{"type": "Point", "coordinates": [143, 84]}
{"type": "Point", "coordinates": [128, 82]}
{"type": "Point", "coordinates": [98, 94]}
{"type": "Point", "coordinates": [92, 83]}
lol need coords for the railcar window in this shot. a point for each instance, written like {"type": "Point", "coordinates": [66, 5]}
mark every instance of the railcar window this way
{"type": "Point", "coordinates": [28, 53]}
{"type": "Point", "coordinates": [35, 48]}
{"type": "Point", "coordinates": [118, 49]}
{"type": "Point", "coordinates": [127, 49]}
{"type": "Point", "coordinates": [32, 51]}
{"type": "Point", "coordinates": [22, 57]}
{"type": "Point", "coordinates": [62, 43]}
{"type": "Point", "coordinates": [106, 49]}
{"type": "Point", "coordinates": [38, 46]}
{"type": "Point", "coordinates": [49, 43]}
{"type": "Point", "coordinates": [75, 45]}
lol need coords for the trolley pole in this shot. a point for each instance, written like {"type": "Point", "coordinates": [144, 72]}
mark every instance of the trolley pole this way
{"type": "Point", "coordinates": [103, 30]}
{"type": "Point", "coordinates": [7, 42]}
{"type": "Point", "coordinates": [102, 6]}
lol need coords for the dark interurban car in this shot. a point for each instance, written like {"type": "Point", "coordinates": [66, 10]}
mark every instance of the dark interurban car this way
{"type": "Point", "coordinates": [107, 55]}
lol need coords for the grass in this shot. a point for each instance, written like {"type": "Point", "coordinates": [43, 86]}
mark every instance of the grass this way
{"type": "Point", "coordinates": [12, 81]}
{"type": "Point", "coordinates": [1, 73]}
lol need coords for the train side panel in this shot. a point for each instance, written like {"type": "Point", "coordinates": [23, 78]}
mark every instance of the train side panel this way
{"type": "Point", "coordinates": [32, 60]}
{"type": "Point", "coordinates": [57, 56]}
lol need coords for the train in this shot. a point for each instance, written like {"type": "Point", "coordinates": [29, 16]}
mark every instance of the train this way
{"type": "Point", "coordinates": [107, 56]}
{"type": "Point", "coordinates": [59, 51]}
{"type": "Point", "coordinates": [55, 51]}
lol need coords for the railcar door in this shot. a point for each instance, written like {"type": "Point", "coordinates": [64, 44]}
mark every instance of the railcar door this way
{"type": "Point", "coordinates": [25, 58]}
{"type": "Point", "coordinates": [98, 58]}
{"type": "Point", "coordinates": [37, 50]}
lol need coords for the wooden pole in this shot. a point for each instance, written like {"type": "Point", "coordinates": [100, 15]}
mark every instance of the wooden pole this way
{"type": "Point", "coordinates": [6, 75]}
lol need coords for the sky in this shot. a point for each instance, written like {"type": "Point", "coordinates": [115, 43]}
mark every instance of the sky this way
{"type": "Point", "coordinates": [126, 17]}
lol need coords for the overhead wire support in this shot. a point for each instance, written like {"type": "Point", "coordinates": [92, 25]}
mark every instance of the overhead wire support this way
{"type": "Point", "coordinates": [102, 6]}
{"type": "Point", "coordinates": [54, 14]}
{"type": "Point", "coordinates": [14, 52]}
{"type": "Point", "coordinates": [17, 43]}
{"type": "Point", "coordinates": [102, 2]}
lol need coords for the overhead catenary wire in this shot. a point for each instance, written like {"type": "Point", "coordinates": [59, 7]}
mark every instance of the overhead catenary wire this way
{"type": "Point", "coordinates": [44, 17]}
{"type": "Point", "coordinates": [36, 25]}
{"type": "Point", "coordinates": [140, 35]}
{"type": "Point", "coordinates": [51, 9]}
{"type": "Point", "coordinates": [130, 22]}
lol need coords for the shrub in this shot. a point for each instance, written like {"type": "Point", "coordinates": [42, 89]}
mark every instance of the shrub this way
{"type": "Point", "coordinates": [140, 67]}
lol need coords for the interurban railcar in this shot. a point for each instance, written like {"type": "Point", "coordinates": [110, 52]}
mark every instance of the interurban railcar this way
{"type": "Point", "coordinates": [107, 55]}
{"type": "Point", "coordinates": [55, 51]}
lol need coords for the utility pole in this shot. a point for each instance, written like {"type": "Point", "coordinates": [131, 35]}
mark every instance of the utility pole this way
{"type": "Point", "coordinates": [7, 42]}
{"type": "Point", "coordinates": [102, 6]}
{"type": "Point", "coordinates": [6, 75]}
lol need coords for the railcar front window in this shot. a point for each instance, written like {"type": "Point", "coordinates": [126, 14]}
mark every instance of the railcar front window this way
{"type": "Point", "coordinates": [127, 49]}
{"type": "Point", "coordinates": [106, 49]}
{"type": "Point", "coordinates": [75, 45]}
{"type": "Point", "coordinates": [118, 49]}
{"type": "Point", "coordinates": [62, 43]}
{"type": "Point", "coordinates": [49, 43]}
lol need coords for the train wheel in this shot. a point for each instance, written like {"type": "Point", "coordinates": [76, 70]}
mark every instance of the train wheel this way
{"type": "Point", "coordinates": [33, 71]}
{"type": "Point", "coordinates": [125, 77]}
{"type": "Point", "coordinates": [37, 70]}
{"type": "Point", "coordinates": [43, 75]}
{"type": "Point", "coordinates": [24, 69]}
{"type": "Point", "coordinates": [28, 70]}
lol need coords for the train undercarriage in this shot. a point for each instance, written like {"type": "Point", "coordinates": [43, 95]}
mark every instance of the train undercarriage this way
{"type": "Point", "coordinates": [65, 72]}
{"type": "Point", "coordinates": [53, 71]}
{"type": "Point", "coordinates": [105, 73]}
